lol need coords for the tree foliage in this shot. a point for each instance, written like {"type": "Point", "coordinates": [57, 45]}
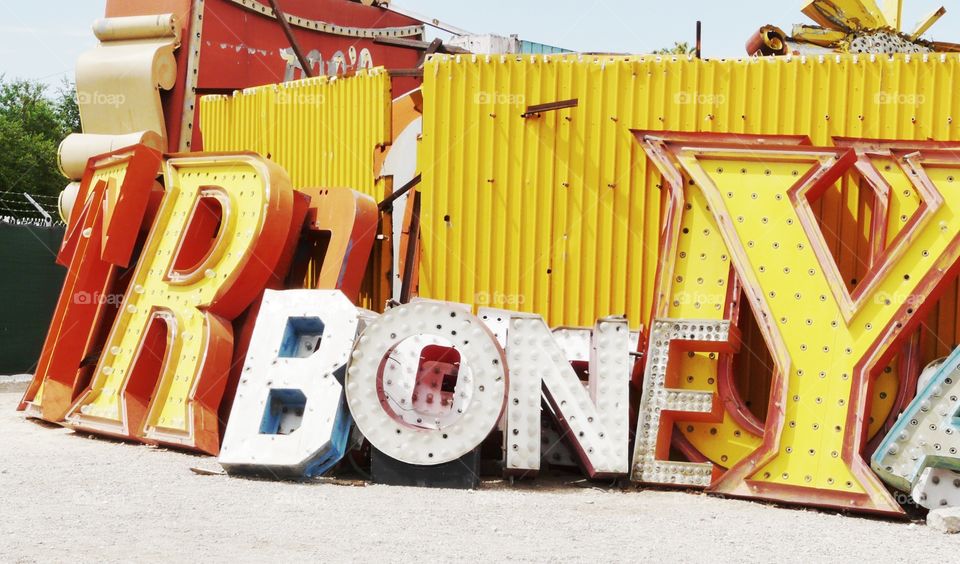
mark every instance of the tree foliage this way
{"type": "Point", "coordinates": [679, 48]}
{"type": "Point", "coordinates": [33, 121]}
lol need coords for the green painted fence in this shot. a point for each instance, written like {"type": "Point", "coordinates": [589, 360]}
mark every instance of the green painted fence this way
{"type": "Point", "coordinates": [30, 283]}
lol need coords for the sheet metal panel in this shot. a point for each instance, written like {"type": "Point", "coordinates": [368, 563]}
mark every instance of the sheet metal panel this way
{"type": "Point", "coordinates": [534, 48]}
{"type": "Point", "coordinates": [559, 215]}
{"type": "Point", "coordinates": [234, 44]}
{"type": "Point", "coordinates": [325, 132]}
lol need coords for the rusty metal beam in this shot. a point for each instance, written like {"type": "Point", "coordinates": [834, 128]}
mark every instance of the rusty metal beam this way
{"type": "Point", "coordinates": [926, 23]}
{"type": "Point", "coordinates": [535, 111]}
{"type": "Point", "coordinates": [699, 48]}
{"type": "Point", "coordinates": [410, 260]}
{"type": "Point", "coordinates": [946, 47]}
{"type": "Point", "coordinates": [405, 73]}
{"type": "Point", "coordinates": [387, 202]}
{"type": "Point", "coordinates": [419, 45]}
{"type": "Point", "coordinates": [433, 48]}
{"type": "Point", "coordinates": [288, 31]}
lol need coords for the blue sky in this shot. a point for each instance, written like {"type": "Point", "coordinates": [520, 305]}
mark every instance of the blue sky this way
{"type": "Point", "coordinates": [41, 39]}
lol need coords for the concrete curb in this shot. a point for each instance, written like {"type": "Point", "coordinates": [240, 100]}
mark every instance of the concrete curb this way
{"type": "Point", "coordinates": [14, 384]}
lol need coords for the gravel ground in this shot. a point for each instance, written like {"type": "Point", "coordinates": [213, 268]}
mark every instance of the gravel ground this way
{"type": "Point", "coordinates": [67, 496]}
{"type": "Point", "coordinates": [14, 384]}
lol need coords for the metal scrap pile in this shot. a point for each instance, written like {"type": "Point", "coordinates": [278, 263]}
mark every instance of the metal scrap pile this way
{"type": "Point", "coordinates": [850, 26]}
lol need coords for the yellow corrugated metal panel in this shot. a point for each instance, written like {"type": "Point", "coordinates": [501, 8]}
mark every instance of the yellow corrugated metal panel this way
{"type": "Point", "coordinates": [323, 131]}
{"type": "Point", "coordinates": [560, 214]}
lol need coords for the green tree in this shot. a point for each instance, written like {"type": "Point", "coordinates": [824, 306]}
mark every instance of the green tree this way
{"type": "Point", "coordinates": [32, 124]}
{"type": "Point", "coordinates": [679, 48]}
{"type": "Point", "coordinates": [67, 109]}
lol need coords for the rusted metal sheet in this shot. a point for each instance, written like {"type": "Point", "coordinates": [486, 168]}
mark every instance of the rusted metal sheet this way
{"type": "Point", "coordinates": [768, 40]}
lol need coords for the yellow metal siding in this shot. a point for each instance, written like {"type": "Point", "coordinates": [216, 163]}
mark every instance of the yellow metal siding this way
{"type": "Point", "coordinates": [560, 214]}
{"type": "Point", "coordinates": [323, 131]}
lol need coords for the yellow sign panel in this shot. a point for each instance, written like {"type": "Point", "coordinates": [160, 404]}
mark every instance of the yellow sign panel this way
{"type": "Point", "coordinates": [696, 282]}
{"type": "Point", "coordinates": [216, 240]}
{"type": "Point", "coordinates": [826, 340]}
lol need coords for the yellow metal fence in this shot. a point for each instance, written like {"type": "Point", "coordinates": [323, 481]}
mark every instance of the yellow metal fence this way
{"type": "Point", "coordinates": [559, 214]}
{"type": "Point", "coordinates": [323, 131]}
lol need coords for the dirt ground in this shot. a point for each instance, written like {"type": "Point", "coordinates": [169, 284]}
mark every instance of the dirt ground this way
{"type": "Point", "coordinates": [67, 496]}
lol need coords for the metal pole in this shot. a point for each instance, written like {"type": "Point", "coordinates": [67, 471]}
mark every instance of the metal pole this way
{"type": "Point", "coordinates": [432, 22]}
{"type": "Point", "coordinates": [699, 39]}
{"type": "Point", "coordinates": [387, 203]}
{"type": "Point", "coordinates": [288, 31]}
{"type": "Point", "coordinates": [40, 209]}
{"type": "Point", "coordinates": [413, 236]}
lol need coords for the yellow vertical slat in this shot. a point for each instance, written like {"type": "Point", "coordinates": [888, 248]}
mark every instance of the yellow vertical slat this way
{"type": "Point", "coordinates": [323, 131]}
